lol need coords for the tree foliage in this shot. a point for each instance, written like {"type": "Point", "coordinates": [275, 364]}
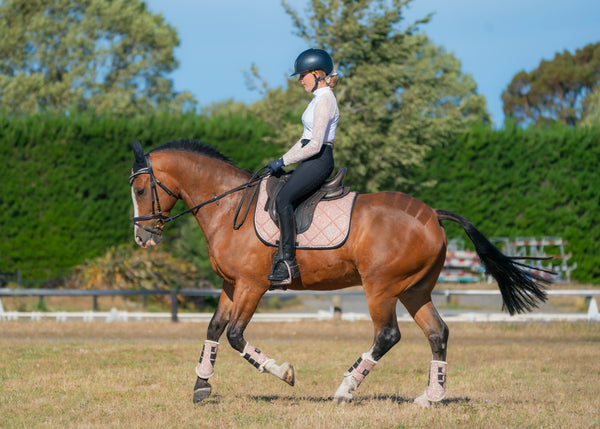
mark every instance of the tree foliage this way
{"type": "Point", "coordinates": [559, 90]}
{"type": "Point", "coordinates": [399, 95]}
{"type": "Point", "coordinates": [592, 116]}
{"type": "Point", "coordinates": [86, 55]}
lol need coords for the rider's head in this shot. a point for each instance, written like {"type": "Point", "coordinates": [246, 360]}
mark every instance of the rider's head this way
{"type": "Point", "coordinates": [318, 63]}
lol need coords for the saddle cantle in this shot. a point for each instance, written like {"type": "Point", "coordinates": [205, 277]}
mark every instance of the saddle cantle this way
{"type": "Point", "coordinates": [330, 190]}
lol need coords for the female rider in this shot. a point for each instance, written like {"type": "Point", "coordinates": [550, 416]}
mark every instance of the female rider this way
{"type": "Point", "coordinates": [315, 152]}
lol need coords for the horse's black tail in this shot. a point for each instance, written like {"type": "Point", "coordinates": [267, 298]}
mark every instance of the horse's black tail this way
{"type": "Point", "coordinates": [521, 289]}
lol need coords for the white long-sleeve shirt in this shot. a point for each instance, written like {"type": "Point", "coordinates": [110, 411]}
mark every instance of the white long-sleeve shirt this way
{"type": "Point", "coordinates": [320, 123]}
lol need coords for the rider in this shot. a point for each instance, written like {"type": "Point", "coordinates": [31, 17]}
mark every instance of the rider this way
{"type": "Point", "coordinates": [314, 150]}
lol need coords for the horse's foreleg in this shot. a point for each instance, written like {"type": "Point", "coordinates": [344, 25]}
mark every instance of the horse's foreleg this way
{"type": "Point", "coordinates": [387, 334]}
{"type": "Point", "coordinates": [436, 332]}
{"type": "Point", "coordinates": [244, 309]}
{"type": "Point", "coordinates": [354, 376]}
{"type": "Point", "coordinates": [206, 364]}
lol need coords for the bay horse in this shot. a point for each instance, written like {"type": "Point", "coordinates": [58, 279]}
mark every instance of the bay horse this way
{"type": "Point", "coordinates": [395, 249]}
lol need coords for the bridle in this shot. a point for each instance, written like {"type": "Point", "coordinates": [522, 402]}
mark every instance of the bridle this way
{"type": "Point", "coordinates": [158, 215]}
{"type": "Point", "coordinates": [162, 219]}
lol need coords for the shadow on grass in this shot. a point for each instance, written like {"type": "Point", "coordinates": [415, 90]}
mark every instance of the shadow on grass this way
{"type": "Point", "coordinates": [403, 400]}
{"type": "Point", "coordinates": [357, 400]}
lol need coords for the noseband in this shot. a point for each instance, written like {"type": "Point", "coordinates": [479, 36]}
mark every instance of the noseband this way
{"type": "Point", "coordinates": [162, 219]}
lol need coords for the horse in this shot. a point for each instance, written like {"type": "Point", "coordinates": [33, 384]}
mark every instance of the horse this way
{"type": "Point", "coordinates": [395, 249]}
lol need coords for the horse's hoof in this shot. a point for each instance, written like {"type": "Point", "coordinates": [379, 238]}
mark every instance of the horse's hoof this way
{"type": "Point", "coordinates": [423, 401]}
{"type": "Point", "coordinates": [202, 390]}
{"type": "Point", "coordinates": [340, 400]}
{"type": "Point", "coordinates": [288, 375]}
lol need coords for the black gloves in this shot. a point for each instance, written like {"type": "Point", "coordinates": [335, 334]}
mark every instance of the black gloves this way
{"type": "Point", "coordinates": [275, 166]}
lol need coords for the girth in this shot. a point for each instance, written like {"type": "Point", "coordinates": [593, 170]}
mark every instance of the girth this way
{"type": "Point", "coordinates": [303, 214]}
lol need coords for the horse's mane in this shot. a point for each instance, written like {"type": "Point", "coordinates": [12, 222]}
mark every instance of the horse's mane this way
{"type": "Point", "coordinates": [192, 146]}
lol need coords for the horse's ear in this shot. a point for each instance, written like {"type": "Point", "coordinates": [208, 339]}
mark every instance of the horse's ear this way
{"type": "Point", "coordinates": [138, 152]}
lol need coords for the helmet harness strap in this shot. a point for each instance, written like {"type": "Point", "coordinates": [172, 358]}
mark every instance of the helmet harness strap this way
{"type": "Point", "coordinates": [317, 80]}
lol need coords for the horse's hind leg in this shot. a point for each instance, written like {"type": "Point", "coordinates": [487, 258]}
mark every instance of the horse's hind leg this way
{"type": "Point", "coordinates": [206, 364]}
{"type": "Point", "coordinates": [387, 334]}
{"type": "Point", "coordinates": [419, 305]}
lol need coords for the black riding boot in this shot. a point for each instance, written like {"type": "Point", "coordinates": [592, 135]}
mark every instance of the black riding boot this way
{"type": "Point", "coordinates": [285, 267]}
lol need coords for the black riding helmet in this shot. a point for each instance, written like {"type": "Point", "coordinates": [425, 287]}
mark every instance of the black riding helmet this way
{"type": "Point", "coordinates": [313, 59]}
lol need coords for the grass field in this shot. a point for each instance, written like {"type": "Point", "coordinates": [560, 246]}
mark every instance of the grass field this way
{"type": "Point", "coordinates": [140, 374]}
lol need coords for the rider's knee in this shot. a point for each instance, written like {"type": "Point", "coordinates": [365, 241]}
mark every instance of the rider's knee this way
{"type": "Point", "coordinates": [282, 203]}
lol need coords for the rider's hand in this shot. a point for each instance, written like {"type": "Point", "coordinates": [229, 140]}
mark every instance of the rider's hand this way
{"type": "Point", "coordinates": [275, 166]}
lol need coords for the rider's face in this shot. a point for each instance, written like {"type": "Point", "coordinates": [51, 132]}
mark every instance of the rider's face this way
{"type": "Point", "coordinates": [307, 79]}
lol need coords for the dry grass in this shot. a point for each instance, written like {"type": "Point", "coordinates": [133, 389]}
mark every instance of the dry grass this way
{"type": "Point", "coordinates": [138, 374]}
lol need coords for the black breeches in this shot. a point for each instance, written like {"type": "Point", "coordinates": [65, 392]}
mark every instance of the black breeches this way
{"type": "Point", "coordinates": [307, 178]}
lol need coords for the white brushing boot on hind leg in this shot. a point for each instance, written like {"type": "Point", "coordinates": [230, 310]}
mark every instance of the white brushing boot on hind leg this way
{"type": "Point", "coordinates": [436, 388]}
{"type": "Point", "coordinates": [264, 363]}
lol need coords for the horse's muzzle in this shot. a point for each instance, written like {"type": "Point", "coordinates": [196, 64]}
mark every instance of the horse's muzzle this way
{"type": "Point", "coordinates": [147, 238]}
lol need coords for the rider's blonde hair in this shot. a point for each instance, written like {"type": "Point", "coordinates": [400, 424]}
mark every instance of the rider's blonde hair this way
{"type": "Point", "coordinates": [331, 80]}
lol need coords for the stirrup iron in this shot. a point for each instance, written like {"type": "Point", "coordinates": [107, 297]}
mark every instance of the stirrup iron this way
{"type": "Point", "coordinates": [292, 272]}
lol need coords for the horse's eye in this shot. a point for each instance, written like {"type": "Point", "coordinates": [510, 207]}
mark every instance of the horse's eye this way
{"type": "Point", "coordinates": [140, 192]}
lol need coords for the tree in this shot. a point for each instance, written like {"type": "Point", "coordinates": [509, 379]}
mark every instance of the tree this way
{"type": "Point", "coordinates": [592, 116]}
{"type": "Point", "coordinates": [95, 55]}
{"type": "Point", "coordinates": [556, 91]}
{"type": "Point", "coordinates": [399, 95]}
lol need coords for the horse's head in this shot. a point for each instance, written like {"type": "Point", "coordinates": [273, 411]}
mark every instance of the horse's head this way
{"type": "Point", "coordinates": [152, 200]}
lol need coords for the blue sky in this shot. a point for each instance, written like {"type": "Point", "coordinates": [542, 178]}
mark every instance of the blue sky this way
{"type": "Point", "coordinates": [493, 39]}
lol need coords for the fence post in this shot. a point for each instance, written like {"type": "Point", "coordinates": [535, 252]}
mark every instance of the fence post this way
{"type": "Point", "coordinates": [336, 302]}
{"type": "Point", "coordinates": [95, 302]}
{"type": "Point", "coordinates": [174, 306]}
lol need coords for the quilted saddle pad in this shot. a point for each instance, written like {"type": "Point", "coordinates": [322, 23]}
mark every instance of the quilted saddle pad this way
{"type": "Point", "coordinates": [329, 228]}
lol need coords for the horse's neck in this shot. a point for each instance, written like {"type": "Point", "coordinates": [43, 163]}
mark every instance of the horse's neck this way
{"type": "Point", "coordinates": [201, 179]}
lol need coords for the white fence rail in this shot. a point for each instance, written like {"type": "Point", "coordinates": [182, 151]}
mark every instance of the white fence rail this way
{"type": "Point", "coordinates": [174, 315]}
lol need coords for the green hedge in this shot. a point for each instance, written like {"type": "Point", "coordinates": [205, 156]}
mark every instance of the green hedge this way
{"type": "Point", "coordinates": [522, 183]}
{"type": "Point", "coordinates": [64, 191]}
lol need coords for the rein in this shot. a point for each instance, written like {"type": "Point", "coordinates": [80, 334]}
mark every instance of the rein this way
{"type": "Point", "coordinates": [162, 219]}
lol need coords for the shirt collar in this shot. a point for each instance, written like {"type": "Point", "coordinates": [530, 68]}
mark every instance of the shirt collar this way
{"type": "Point", "coordinates": [321, 91]}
